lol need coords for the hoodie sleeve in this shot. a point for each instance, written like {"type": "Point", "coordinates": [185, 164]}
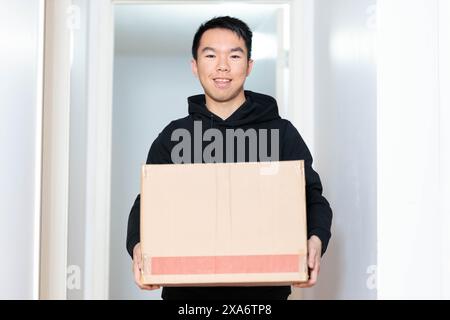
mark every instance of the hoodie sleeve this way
{"type": "Point", "coordinates": [318, 211]}
{"type": "Point", "coordinates": [158, 154]}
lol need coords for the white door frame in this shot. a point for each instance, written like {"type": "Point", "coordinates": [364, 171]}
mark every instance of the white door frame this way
{"type": "Point", "coordinates": [99, 111]}
{"type": "Point", "coordinates": [444, 126]}
{"type": "Point", "coordinates": [38, 154]}
{"type": "Point", "coordinates": [55, 153]}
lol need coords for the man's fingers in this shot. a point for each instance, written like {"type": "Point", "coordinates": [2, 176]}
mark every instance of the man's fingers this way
{"type": "Point", "coordinates": [311, 282]}
{"type": "Point", "coordinates": [138, 279]}
{"type": "Point", "coordinates": [137, 256]}
{"type": "Point", "coordinates": [300, 285]}
{"type": "Point", "coordinates": [148, 287]}
{"type": "Point", "coordinates": [311, 258]}
{"type": "Point", "coordinates": [313, 274]}
{"type": "Point", "coordinates": [138, 259]}
{"type": "Point", "coordinates": [303, 285]}
{"type": "Point", "coordinates": [138, 267]}
{"type": "Point", "coordinates": [137, 274]}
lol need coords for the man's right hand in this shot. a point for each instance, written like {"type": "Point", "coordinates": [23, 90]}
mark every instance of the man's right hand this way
{"type": "Point", "coordinates": [138, 267]}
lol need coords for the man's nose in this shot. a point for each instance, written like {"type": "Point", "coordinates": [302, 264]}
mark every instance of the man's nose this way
{"type": "Point", "coordinates": [223, 65]}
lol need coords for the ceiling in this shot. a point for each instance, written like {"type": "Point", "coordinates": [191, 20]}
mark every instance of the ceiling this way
{"type": "Point", "coordinates": [143, 29]}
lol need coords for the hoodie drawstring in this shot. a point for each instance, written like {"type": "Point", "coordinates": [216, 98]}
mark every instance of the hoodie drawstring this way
{"type": "Point", "coordinates": [212, 121]}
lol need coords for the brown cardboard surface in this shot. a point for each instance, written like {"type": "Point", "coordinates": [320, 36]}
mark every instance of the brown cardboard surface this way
{"type": "Point", "coordinates": [224, 223]}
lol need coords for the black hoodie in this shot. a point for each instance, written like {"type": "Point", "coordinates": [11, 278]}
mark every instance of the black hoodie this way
{"type": "Point", "coordinates": [259, 111]}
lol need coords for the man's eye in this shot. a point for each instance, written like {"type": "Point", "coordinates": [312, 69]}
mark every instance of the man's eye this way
{"type": "Point", "coordinates": [210, 56]}
{"type": "Point", "coordinates": [235, 57]}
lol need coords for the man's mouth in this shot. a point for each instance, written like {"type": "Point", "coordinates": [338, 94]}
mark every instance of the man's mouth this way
{"type": "Point", "coordinates": [222, 83]}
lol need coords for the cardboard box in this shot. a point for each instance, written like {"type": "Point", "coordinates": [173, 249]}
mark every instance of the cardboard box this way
{"type": "Point", "coordinates": [224, 224]}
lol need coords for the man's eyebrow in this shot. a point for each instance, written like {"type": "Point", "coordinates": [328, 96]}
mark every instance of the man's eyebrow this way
{"type": "Point", "coordinates": [231, 50]}
{"type": "Point", "coordinates": [208, 49]}
{"type": "Point", "coordinates": [237, 49]}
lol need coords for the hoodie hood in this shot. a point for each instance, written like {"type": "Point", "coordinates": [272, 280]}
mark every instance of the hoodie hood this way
{"type": "Point", "coordinates": [257, 108]}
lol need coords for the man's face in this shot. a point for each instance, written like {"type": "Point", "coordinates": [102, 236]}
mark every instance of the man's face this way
{"type": "Point", "coordinates": [222, 65]}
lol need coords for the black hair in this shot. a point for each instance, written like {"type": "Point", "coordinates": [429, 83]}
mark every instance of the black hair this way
{"type": "Point", "coordinates": [225, 22]}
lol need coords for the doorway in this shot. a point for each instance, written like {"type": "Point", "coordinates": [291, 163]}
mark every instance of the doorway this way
{"type": "Point", "coordinates": [152, 80]}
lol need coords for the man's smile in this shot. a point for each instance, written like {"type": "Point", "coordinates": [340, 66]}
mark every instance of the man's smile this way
{"type": "Point", "coordinates": [222, 83]}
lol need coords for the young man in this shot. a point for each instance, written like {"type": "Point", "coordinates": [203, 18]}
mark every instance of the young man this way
{"type": "Point", "coordinates": [222, 61]}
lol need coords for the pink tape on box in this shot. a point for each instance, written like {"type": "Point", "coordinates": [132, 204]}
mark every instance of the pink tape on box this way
{"type": "Point", "coordinates": [225, 264]}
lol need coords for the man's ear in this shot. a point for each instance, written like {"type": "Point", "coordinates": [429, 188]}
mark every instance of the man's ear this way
{"type": "Point", "coordinates": [194, 67]}
{"type": "Point", "coordinates": [249, 67]}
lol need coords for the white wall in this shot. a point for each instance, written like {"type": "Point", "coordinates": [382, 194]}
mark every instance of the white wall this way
{"type": "Point", "coordinates": [345, 144]}
{"type": "Point", "coordinates": [413, 149]}
{"type": "Point", "coordinates": [19, 56]}
{"type": "Point", "coordinates": [444, 139]}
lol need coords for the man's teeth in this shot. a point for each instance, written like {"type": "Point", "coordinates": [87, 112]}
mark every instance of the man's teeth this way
{"type": "Point", "coordinates": [222, 80]}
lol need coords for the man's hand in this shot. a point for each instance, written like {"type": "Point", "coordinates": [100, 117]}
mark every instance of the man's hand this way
{"type": "Point", "coordinates": [314, 255]}
{"type": "Point", "coordinates": [138, 267]}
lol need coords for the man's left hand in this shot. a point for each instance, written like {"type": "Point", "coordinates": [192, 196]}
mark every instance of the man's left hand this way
{"type": "Point", "coordinates": [314, 255]}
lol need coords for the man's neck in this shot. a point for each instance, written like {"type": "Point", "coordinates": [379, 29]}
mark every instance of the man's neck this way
{"type": "Point", "coordinates": [227, 108]}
